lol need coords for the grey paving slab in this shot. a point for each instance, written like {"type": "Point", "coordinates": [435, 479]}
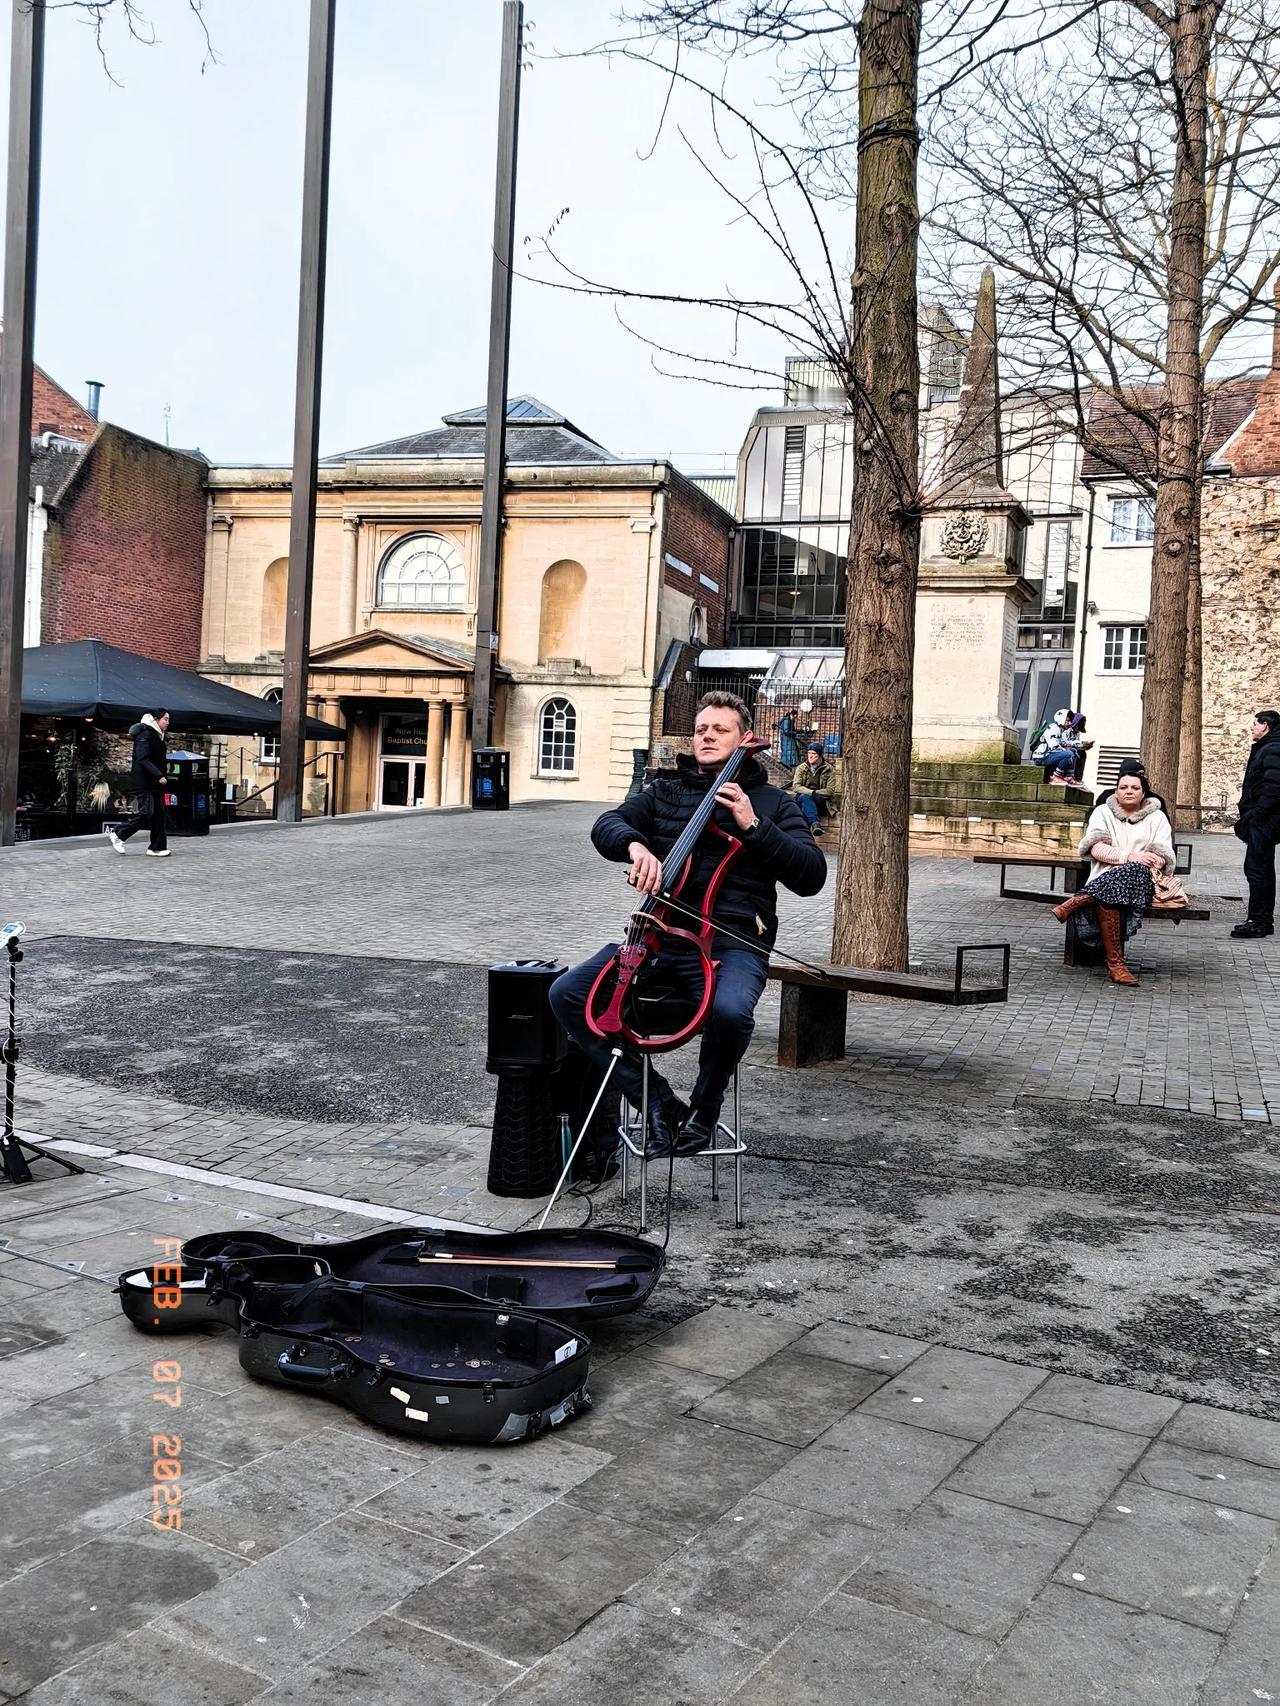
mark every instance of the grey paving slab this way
{"type": "Point", "coordinates": [1050, 1465]}
{"type": "Point", "coordinates": [723, 1342]}
{"type": "Point", "coordinates": [81, 1356]}
{"type": "Point", "coordinates": [61, 1611]}
{"type": "Point", "coordinates": [1108, 1406]}
{"type": "Point", "coordinates": [531, 1590]}
{"type": "Point", "coordinates": [150, 1666]}
{"type": "Point", "coordinates": [635, 1394]}
{"type": "Point", "coordinates": [1249, 1438]}
{"type": "Point", "coordinates": [1080, 1650]}
{"type": "Point", "coordinates": [277, 1498]}
{"type": "Point", "coordinates": [1180, 1557]}
{"type": "Point", "coordinates": [1248, 1667]}
{"type": "Point", "coordinates": [626, 1654]}
{"type": "Point", "coordinates": [970, 1564]}
{"type": "Point", "coordinates": [469, 1495]}
{"type": "Point", "coordinates": [867, 1470]}
{"type": "Point", "coordinates": [282, 1613]}
{"type": "Point", "coordinates": [955, 1392]}
{"type": "Point", "coordinates": [789, 1397]}
{"type": "Point", "coordinates": [754, 1574]}
{"type": "Point", "coordinates": [850, 1649]}
{"type": "Point", "coordinates": [681, 1477]}
{"type": "Point", "coordinates": [397, 1664]}
{"type": "Point", "coordinates": [1227, 1481]}
{"type": "Point", "coordinates": [861, 1347]}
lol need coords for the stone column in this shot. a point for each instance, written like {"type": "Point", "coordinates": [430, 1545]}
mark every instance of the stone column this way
{"type": "Point", "coordinates": [349, 603]}
{"type": "Point", "coordinates": [435, 751]}
{"type": "Point", "coordinates": [453, 794]}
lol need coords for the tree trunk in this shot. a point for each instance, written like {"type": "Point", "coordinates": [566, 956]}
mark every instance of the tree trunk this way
{"type": "Point", "coordinates": [1177, 518]}
{"type": "Point", "coordinates": [884, 543]}
{"type": "Point", "coordinates": [1189, 772]}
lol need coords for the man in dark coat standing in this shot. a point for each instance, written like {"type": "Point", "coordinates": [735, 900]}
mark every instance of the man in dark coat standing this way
{"type": "Point", "coordinates": [149, 775]}
{"type": "Point", "coordinates": [777, 847]}
{"type": "Point", "coordinates": [1259, 825]}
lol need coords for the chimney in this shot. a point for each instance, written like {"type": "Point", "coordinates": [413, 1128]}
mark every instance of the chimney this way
{"type": "Point", "coordinates": [95, 396]}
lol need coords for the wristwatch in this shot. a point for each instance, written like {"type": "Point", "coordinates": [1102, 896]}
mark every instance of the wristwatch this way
{"type": "Point", "coordinates": [752, 826]}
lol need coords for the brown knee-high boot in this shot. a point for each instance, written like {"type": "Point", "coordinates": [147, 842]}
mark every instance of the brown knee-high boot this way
{"type": "Point", "coordinates": [1073, 903]}
{"type": "Point", "coordinates": [1111, 923]}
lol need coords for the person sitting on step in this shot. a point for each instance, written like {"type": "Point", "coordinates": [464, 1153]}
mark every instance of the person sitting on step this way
{"type": "Point", "coordinates": [1059, 748]}
{"type": "Point", "coordinates": [813, 788]}
{"type": "Point", "coordinates": [1130, 841]}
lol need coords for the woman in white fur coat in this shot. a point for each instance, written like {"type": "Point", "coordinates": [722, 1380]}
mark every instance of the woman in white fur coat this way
{"type": "Point", "coordinates": [1129, 839]}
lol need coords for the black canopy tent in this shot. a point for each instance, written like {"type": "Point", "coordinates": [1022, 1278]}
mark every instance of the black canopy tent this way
{"type": "Point", "coordinates": [92, 680]}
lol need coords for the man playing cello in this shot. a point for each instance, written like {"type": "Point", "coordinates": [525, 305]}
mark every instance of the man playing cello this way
{"type": "Point", "coordinates": [777, 847]}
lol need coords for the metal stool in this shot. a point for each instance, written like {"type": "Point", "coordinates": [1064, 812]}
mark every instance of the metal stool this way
{"type": "Point", "coordinates": [728, 1145]}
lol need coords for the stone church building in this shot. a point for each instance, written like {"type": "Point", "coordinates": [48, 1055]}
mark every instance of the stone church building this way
{"type": "Point", "coordinates": [605, 562]}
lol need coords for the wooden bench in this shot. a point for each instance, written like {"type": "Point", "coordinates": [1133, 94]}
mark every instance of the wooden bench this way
{"type": "Point", "coordinates": [1075, 872]}
{"type": "Point", "coordinates": [815, 1003]}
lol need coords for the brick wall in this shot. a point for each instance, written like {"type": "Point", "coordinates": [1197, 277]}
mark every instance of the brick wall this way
{"type": "Point", "coordinates": [697, 532]}
{"type": "Point", "coordinates": [56, 410]}
{"type": "Point", "coordinates": [125, 549]}
{"type": "Point", "coordinates": [1240, 576]}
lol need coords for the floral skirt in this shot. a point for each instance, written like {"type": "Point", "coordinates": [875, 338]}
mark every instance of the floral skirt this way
{"type": "Point", "coordinates": [1128, 888]}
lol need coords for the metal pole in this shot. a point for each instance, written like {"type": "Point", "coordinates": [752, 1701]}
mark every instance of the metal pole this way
{"type": "Point", "coordinates": [495, 414]}
{"type": "Point", "coordinates": [306, 417]}
{"type": "Point", "coordinates": [22, 218]}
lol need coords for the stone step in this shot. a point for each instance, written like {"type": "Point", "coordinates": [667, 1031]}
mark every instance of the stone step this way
{"type": "Point", "coordinates": [958, 788]}
{"type": "Point", "coordinates": [1025, 773]}
{"type": "Point", "coordinates": [1001, 811]}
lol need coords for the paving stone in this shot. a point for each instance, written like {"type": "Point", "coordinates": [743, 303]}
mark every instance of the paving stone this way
{"type": "Point", "coordinates": [861, 1347]}
{"type": "Point", "coordinates": [149, 1666]}
{"type": "Point", "coordinates": [1180, 1557]}
{"type": "Point", "coordinates": [625, 1654]}
{"type": "Point", "coordinates": [852, 1650]}
{"type": "Point", "coordinates": [397, 1664]}
{"type": "Point", "coordinates": [955, 1392]}
{"type": "Point", "coordinates": [59, 1612]}
{"type": "Point", "coordinates": [303, 1599]}
{"type": "Point", "coordinates": [634, 1395]}
{"type": "Point", "coordinates": [65, 1309]}
{"type": "Point", "coordinates": [789, 1397]}
{"type": "Point", "coordinates": [721, 1341]}
{"type": "Point", "coordinates": [1109, 1406]}
{"type": "Point", "coordinates": [1232, 1435]}
{"type": "Point", "coordinates": [277, 1498]}
{"type": "Point", "coordinates": [469, 1495]}
{"type": "Point", "coordinates": [867, 1470]}
{"type": "Point", "coordinates": [531, 1590]}
{"type": "Point", "coordinates": [681, 1477]}
{"type": "Point", "coordinates": [1049, 1465]}
{"type": "Point", "coordinates": [970, 1564]}
{"type": "Point", "coordinates": [80, 1358]}
{"type": "Point", "coordinates": [754, 1574]}
{"type": "Point", "coordinates": [1207, 1475]}
{"type": "Point", "coordinates": [1248, 1668]}
{"type": "Point", "coordinates": [1075, 1649]}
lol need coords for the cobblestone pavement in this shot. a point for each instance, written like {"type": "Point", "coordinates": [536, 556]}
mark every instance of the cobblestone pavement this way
{"type": "Point", "coordinates": [939, 1420]}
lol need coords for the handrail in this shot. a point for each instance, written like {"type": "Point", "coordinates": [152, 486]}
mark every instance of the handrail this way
{"type": "Point", "coordinates": [319, 758]}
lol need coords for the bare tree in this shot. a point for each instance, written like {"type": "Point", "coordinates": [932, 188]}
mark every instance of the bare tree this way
{"type": "Point", "coordinates": [1128, 180]}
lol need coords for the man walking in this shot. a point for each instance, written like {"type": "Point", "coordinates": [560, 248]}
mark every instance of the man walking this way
{"type": "Point", "coordinates": [148, 785]}
{"type": "Point", "coordinates": [1259, 825]}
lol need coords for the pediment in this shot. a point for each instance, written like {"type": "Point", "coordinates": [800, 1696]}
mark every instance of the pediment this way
{"type": "Point", "coordinates": [378, 650]}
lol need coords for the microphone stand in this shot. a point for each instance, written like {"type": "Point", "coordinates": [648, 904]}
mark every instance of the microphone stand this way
{"type": "Point", "coordinates": [14, 1153]}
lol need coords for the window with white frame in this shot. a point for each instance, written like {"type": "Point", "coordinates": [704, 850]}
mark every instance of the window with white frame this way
{"type": "Point", "coordinates": [1133, 521]}
{"type": "Point", "coordinates": [422, 572]}
{"type": "Point", "coordinates": [1124, 650]}
{"type": "Point", "coordinates": [269, 745]}
{"type": "Point", "coordinates": [557, 739]}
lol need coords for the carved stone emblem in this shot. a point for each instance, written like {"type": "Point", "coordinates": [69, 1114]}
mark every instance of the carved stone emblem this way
{"type": "Point", "coordinates": [964, 536]}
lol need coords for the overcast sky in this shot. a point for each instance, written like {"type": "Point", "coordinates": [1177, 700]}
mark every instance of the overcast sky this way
{"type": "Point", "coordinates": [170, 224]}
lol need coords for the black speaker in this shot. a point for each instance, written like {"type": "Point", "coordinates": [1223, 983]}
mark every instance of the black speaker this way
{"type": "Point", "coordinates": [524, 1035]}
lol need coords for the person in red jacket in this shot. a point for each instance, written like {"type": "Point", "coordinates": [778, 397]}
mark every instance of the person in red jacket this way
{"type": "Point", "coordinates": [778, 847]}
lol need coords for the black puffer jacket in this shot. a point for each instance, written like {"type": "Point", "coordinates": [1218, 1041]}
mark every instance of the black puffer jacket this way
{"type": "Point", "coordinates": [1260, 794]}
{"type": "Point", "coordinates": [780, 850]}
{"type": "Point", "coordinates": [148, 757]}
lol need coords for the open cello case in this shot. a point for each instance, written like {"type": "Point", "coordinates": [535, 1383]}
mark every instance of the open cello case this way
{"type": "Point", "coordinates": [441, 1334]}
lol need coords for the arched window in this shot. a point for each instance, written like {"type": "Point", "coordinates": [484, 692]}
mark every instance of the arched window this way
{"type": "Point", "coordinates": [274, 588]}
{"type": "Point", "coordinates": [560, 626]}
{"type": "Point", "coordinates": [557, 739]}
{"type": "Point", "coordinates": [269, 745]}
{"type": "Point", "coordinates": [422, 572]}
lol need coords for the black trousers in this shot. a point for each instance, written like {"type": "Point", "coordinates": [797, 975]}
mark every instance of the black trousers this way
{"type": "Point", "coordinates": [1260, 872]}
{"type": "Point", "coordinates": [148, 814]}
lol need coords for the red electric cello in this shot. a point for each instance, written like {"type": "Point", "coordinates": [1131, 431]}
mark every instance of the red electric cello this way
{"type": "Point", "coordinates": [612, 1002]}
